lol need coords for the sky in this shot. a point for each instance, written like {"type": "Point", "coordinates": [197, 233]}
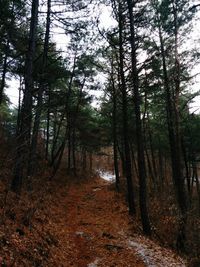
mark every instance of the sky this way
{"type": "Point", "coordinates": [58, 35]}
{"type": "Point", "coordinates": [106, 20]}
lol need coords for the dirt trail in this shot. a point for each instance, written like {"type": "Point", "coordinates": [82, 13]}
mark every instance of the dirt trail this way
{"type": "Point", "coordinates": [90, 233]}
{"type": "Point", "coordinates": [95, 231]}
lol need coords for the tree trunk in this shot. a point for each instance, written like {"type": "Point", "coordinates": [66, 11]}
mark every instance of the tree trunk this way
{"type": "Point", "coordinates": [3, 78]}
{"type": "Point", "coordinates": [139, 132]}
{"type": "Point", "coordinates": [18, 127]}
{"type": "Point", "coordinates": [153, 157]}
{"type": "Point", "coordinates": [34, 141]}
{"type": "Point", "coordinates": [187, 172]}
{"type": "Point", "coordinates": [48, 125]}
{"type": "Point", "coordinates": [55, 136]}
{"type": "Point", "coordinates": [91, 162]}
{"type": "Point", "coordinates": [161, 168]}
{"type": "Point", "coordinates": [114, 130]}
{"type": "Point", "coordinates": [127, 157]}
{"type": "Point", "coordinates": [57, 163]}
{"type": "Point", "coordinates": [175, 147]}
{"type": "Point", "coordinates": [84, 159]}
{"type": "Point", "coordinates": [69, 145]}
{"type": "Point", "coordinates": [23, 138]}
{"type": "Point", "coordinates": [74, 150]}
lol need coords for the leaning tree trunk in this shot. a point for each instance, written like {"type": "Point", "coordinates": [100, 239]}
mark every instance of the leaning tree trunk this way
{"type": "Point", "coordinates": [57, 158]}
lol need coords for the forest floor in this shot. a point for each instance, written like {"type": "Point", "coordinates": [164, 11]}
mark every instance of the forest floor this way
{"type": "Point", "coordinates": [81, 223]}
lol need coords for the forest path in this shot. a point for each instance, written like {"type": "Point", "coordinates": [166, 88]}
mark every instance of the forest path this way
{"type": "Point", "coordinates": [96, 231]}
{"type": "Point", "coordinates": [91, 232]}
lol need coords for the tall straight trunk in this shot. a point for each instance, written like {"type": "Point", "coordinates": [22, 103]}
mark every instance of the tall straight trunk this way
{"type": "Point", "coordinates": [150, 170]}
{"type": "Point", "coordinates": [187, 172]}
{"type": "Point", "coordinates": [23, 138]}
{"type": "Point", "coordinates": [114, 130]}
{"type": "Point", "coordinates": [19, 106]}
{"type": "Point", "coordinates": [91, 161]}
{"type": "Point", "coordinates": [174, 140]}
{"type": "Point", "coordinates": [34, 141]}
{"type": "Point", "coordinates": [153, 156]}
{"type": "Point", "coordinates": [147, 150]}
{"type": "Point", "coordinates": [48, 125]}
{"type": "Point", "coordinates": [195, 174]}
{"type": "Point", "coordinates": [84, 159]}
{"type": "Point", "coordinates": [56, 132]}
{"type": "Point", "coordinates": [5, 66]}
{"type": "Point", "coordinates": [69, 143]}
{"type": "Point", "coordinates": [5, 61]}
{"type": "Point", "coordinates": [116, 167]}
{"type": "Point", "coordinates": [161, 171]}
{"type": "Point", "coordinates": [175, 145]}
{"type": "Point", "coordinates": [127, 156]}
{"type": "Point", "coordinates": [122, 156]}
{"type": "Point", "coordinates": [139, 132]}
{"type": "Point", "coordinates": [72, 130]}
{"type": "Point", "coordinates": [147, 133]}
{"type": "Point", "coordinates": [74, 150]}
{"type": "Point", "coordinates": [133, 159]}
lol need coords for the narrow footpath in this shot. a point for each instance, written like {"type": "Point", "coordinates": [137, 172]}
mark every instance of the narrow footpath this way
{"type": "Point", "coordinates": [94, 229]}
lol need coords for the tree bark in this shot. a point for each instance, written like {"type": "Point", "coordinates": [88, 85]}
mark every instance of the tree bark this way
{"type": "Point", "coordinates": [175, 143]}
{"type": "Point", "coordinates": [23, 138]}
{"type": "Point", "coordinates": [114, 130]}
{"type": "Point", "coordinates": [34, 141]}
{"type": "Point", "coordinates": [3, 78]}
{"type": "Point", "coordinates": [127, 156]}
{"type": "Point", "coordinates": [139, 132]}
{"type": "Point", "coordinates": [48, 125]}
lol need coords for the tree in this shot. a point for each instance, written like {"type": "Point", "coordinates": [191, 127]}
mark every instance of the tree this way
{"type": "Point", "coordinates": [123, 89]}
{"type": "Point", "coordinates": [171, 17]}
{"type": "Point", "coordinates": [24, 135]}
{"type": "Point", "coordinates": [139, 131]}
{"type": "Point", "coordinates": [11, 13]}
{"type": "Point", "coordinates": [42, 84]}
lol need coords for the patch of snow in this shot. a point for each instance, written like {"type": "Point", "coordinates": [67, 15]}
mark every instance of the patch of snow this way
{"type": "Point", "coordinates": [83, 235]}
{"type": "Point", "coordinates": [93, 264]}
{"type": "Point", "coordinates": [96, 189]}
{"type": "Point", "coordinates": [143, 252]}
{"type": "Point", "coordinates": [79, 233]}
{"type": "Point", "coordinates": [108, 176]}
{"type": "Point", "coordinates": [153, 255]}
